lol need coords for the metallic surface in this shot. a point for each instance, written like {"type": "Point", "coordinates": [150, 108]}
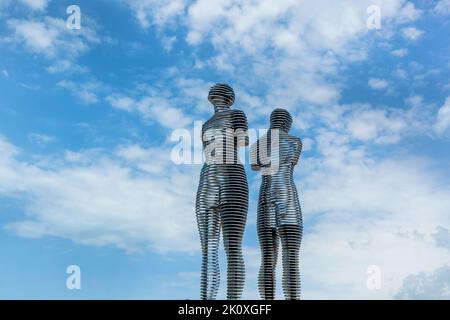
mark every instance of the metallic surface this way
{"type": "Point", "coordinates": [222, 196]}
{"type": "Point", "coordinates": [279, 213]}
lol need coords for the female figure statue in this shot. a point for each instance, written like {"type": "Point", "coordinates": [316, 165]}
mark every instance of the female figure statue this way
{"type": "Point", "coordinates": [279, 213]}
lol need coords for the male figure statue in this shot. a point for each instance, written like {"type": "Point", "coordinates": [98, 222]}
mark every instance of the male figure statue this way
{"type": "Point", "coordinates": [222, 196]}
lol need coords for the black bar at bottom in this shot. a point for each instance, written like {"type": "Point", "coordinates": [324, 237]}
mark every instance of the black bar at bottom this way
{"type": "Point", "coordinates": [243, 309]}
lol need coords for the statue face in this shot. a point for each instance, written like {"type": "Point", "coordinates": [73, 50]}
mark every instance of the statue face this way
{"type": "Point", "coordinates": [221, 93]}
{"type": "Point", "coordinates": [281, 119]}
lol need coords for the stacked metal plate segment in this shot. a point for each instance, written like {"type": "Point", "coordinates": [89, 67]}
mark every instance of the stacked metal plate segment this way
{"type": "Point", "coordinates": [279, 214]}
{"type": "Point", "coordinates": [222, 196]}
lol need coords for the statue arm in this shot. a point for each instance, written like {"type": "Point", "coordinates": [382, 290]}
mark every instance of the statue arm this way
{"type": "Point", "coordinates": [298, 145]}
{"type": "Point", "coordinates": [254, 157]}
{"type": "Point", "coordinates": [259, 159]}
{"type": "Point", "coordinates": [241, 127]}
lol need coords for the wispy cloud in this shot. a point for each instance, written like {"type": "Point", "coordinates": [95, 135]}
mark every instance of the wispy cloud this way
{"type": "Point", "coordinates": [41, 139]}
{"type": "Point", "coordinates": [171, 109]}
{"type": "Point", "coordinates": [87, 91]}
{"type": "Point", "coordinates": [51, 38]}
{"type": "Point", "coordinates": [434, 285]}
{"type": "Point", "coordinates": [412, 33]}
{"type": "Point", "coordinates": [400, 52]}
{"type": "Point", "coordinates": [36, 4]}
{"type": "Point", "coordinates": [443, 118]}
{"type": "Point", "coordinates": [442, 7]}
{"type": "Point", "coordinates": [378, 84]}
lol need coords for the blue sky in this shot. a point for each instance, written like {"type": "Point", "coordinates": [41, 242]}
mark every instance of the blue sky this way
{"type": "Point", "coordinates": [86, 117]}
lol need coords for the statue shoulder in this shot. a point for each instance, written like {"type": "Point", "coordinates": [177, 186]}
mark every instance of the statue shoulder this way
{"type": "Point", "coordinates": [238, 113]}
{"type": "Point", "coordinates": [239, 119]}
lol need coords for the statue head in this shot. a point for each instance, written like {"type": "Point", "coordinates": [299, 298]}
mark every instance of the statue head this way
{"type": "Point", "coordinates": [221, 94]}
{"type": "Point", "coordinates": [280, 119]}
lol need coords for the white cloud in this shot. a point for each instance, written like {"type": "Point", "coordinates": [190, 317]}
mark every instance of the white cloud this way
{"type": "Point", "coordinates": [414, 100]}
{"type": "Point", "coordinates": [68, 66]}
{"type": "Point", "coordinates": [433, 285]}
{"type": "Point", "coordinates": [400, 73]}
{"type": "Point", "coordinates": [255, 25]}
{"type": "Point", "coordinates": [442, 237]}
{"type": "Point", "coordinates": [157, 12]}
{"type": "Point", "coordinates": [310, 40]}
{"type": "Point", "coordinates": [41, 139]}
{"type": "Point", "coordinates": [8, 150]}
{"type": "Point", "coordinates": [85, 91]}
{"type": "Point", "coordinates": [364, 210]}
{"type": "Point", "coordinates": [400, 52]}
{"type": "Point", "coordinates": [134, 198]}
{"type": "Point", "coordinates": [121, 102]}
{"type": "Point", "coordinates": [408, 13]}
{"type": "Point", "coordinates": [412, 33]}
{"type": "Point", "coordinates": [378, 125]}
{"type": "Point", "coordinates": [442, 7]}
{"type": "Point", "coordinates": [443, 118]}
{"type": "Point", "coordinates": [36, 4]}
{"type": "Point", "coordinates": [152, 108]}
{"type": "Point", "coordinates": [378, 84]}
{"type": "Point", "coordinates": [5, 73]}
{"type": "Point", "coordinates": [357, 123]}
{"type": "Point", "coordinates": [168, 43]}
{"type": "Point", "coordinates": [51, 38]}
{"type": "Point", "coordinates": [37, 36]}
{"type": "Point", "coordinates": [167, 107]}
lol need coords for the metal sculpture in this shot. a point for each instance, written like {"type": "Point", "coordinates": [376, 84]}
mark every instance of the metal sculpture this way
{"type": "Point", "coordinates": [222, 196]}
{"type": "Point", "coordinates": [279, 213]}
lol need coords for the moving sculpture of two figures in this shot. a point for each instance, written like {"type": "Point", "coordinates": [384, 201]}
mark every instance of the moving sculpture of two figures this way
{"type": "Point", "coordinates": [222, 200]}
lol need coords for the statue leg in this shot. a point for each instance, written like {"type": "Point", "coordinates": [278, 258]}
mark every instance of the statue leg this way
{"type": "Point", "coordinates": [208, 221]}
{"type": "Point", "coordinates": [290, 236]}
{"type": "Point", "coordinates": [268, 242]}
{"type": "Point", "coordinates": [233, 216]}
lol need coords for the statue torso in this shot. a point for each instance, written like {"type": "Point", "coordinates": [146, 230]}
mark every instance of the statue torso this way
{"type": "Point", "coordinates": [219, 136]}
